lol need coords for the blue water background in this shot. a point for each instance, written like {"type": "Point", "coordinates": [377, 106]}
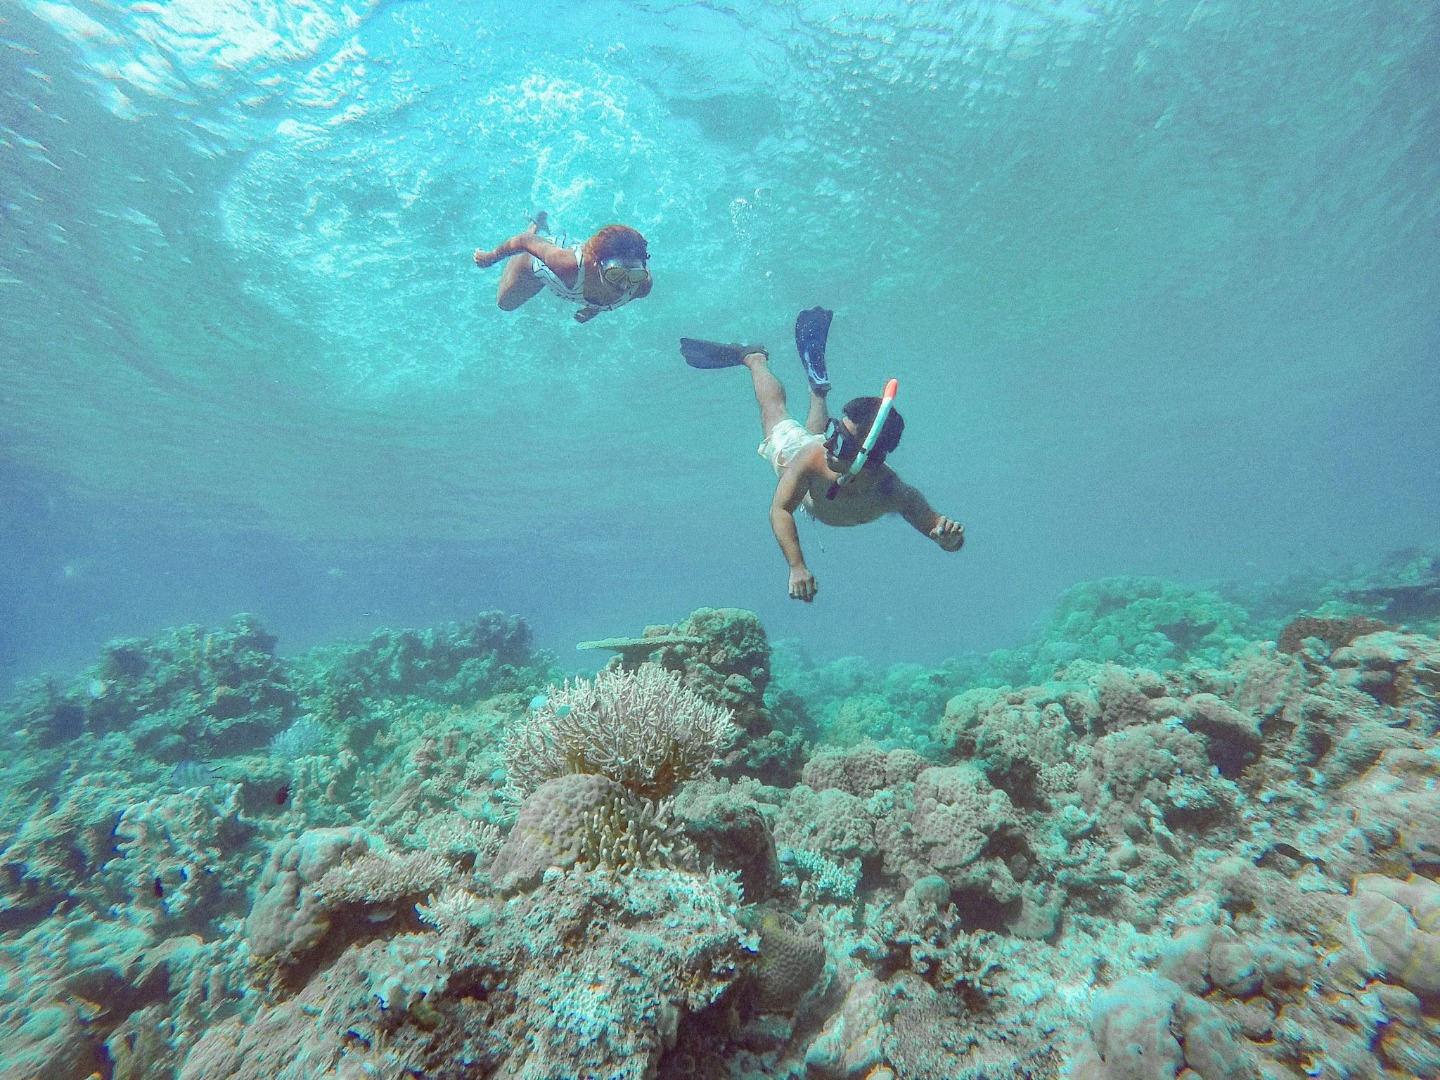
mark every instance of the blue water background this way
{"type": "Point", "coordinates": [1159, 282]}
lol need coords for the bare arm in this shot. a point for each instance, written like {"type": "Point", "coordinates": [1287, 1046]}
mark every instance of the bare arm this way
{"type": "Point", "coordinates": [561, 261]}
{"type": "Point", "coordinates": [914, 508]}
{"type": "Point", "coordinates": [789, 493]}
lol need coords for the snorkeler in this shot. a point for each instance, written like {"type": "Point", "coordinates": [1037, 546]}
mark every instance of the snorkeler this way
{"type": "Point", "coordinates": [604, 273]}
{"type": "Point", "coordinates": [834, 468]}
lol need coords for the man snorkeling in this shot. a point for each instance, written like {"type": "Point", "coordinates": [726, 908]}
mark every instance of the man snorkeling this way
{"type": "Point", "coordinates": [604, 273]}
{"type": "Point", "coordinates": [834, 468]}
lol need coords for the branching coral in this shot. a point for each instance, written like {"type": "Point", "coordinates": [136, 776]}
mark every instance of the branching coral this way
{"type": "Point", "coordinates": [590, 821]}
{"type": "Point", "coordinates": [643, 729]}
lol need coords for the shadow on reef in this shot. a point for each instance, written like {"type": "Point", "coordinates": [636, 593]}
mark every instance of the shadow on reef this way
{"type": "Point", "coordinates": [433, 855]}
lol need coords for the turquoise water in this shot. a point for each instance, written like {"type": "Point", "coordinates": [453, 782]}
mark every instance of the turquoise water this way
{"type": "Point", "coordinates": [1159, 282]}
{"type": "Point", "coordinates": [1145, 776]}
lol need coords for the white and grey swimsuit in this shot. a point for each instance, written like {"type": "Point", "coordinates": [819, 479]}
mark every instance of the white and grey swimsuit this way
{"type": "Point", "coordinates": [576, 294]}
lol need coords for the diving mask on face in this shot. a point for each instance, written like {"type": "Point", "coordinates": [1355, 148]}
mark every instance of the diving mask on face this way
{"type": "Point", "coordinates": [839, 442]}
{"type": "Point", "coordinates": [843, 437]}
{"type": "Point", "coordinates": [617, 273]}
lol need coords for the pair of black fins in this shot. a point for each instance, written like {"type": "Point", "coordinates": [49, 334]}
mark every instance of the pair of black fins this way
{"type": "Point", "coordinates": [812, 328]}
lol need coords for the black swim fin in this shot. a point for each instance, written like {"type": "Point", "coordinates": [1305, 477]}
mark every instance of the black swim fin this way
{"type": "Point", "coordinates": [714, 354]}
{"type": "Point", "coordinates": [812, 328]}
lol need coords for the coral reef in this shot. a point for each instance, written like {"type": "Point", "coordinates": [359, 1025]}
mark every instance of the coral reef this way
{"type": "Point", "coordinates": [1155, 842]}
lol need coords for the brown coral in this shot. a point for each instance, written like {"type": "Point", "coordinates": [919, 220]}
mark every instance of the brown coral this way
{"type": "Point", "coordinates": [1335, 633]}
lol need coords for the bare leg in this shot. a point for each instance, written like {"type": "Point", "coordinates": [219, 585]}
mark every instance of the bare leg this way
{"type": "Point", "coordinates": [819, 415]}
{"type": "Point", "coordinates": [769, 392]}
{"type": "Point", "coordinates": [518, 282]}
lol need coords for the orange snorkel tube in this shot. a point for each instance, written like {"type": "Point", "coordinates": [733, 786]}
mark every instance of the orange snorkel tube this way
{"type": "Point", "coordinates": [887, 402]}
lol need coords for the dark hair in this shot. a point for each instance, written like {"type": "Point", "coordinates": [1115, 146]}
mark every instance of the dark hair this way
{"type": "Point", "coordinates": [862, 411]}
{"type": "Point", "coordinates": [617, 242]}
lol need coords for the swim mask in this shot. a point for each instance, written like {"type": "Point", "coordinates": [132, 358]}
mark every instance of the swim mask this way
{"type": "Point", "coordinates": [839, 442]}
{"type": "Point", "coordinates": [615, 273]}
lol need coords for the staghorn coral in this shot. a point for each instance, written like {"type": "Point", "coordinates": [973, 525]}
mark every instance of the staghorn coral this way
{"type": "Point", "coordinates": [304, 738]}
{"type": "Point", "coordinates": [1132, 806]}
{"type": "Point", "coordinates": [458, 838]}
{"type": "Point", "coordinates": [819, 877]}
{"type": "Point", "coordinates": [440, 763]}
{"type": "Point", "coordinates": [642, 729]}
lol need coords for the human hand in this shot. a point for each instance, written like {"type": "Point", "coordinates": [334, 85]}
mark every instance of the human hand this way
{"type": "Point", "coordinates": [485, 258]}
{"type": "Point", "coordinates": [950, 535]}
{"type": "Point", "coordinates": [802, 584]}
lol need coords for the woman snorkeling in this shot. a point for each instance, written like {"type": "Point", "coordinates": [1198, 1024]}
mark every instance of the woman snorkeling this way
{"type": "Point", "coordinates": [604, 273]}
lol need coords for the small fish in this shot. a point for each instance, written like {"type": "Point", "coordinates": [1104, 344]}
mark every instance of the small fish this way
{"type": "Point", "coordinates": [539, 701]}
{"type": "Point", "coordinates": [282, 795]}
{"type": "Point", "coordinates": [562, 710]}
{"type": "Point", "coordinates": [97, 689]}
{"type": "Point", "coordinates": [159, 889]}
{"type": "Point", "coordinates": [192, 774]}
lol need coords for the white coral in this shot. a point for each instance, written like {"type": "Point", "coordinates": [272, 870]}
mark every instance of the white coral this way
{"type": "Point", "coordinates": [642, 728]}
